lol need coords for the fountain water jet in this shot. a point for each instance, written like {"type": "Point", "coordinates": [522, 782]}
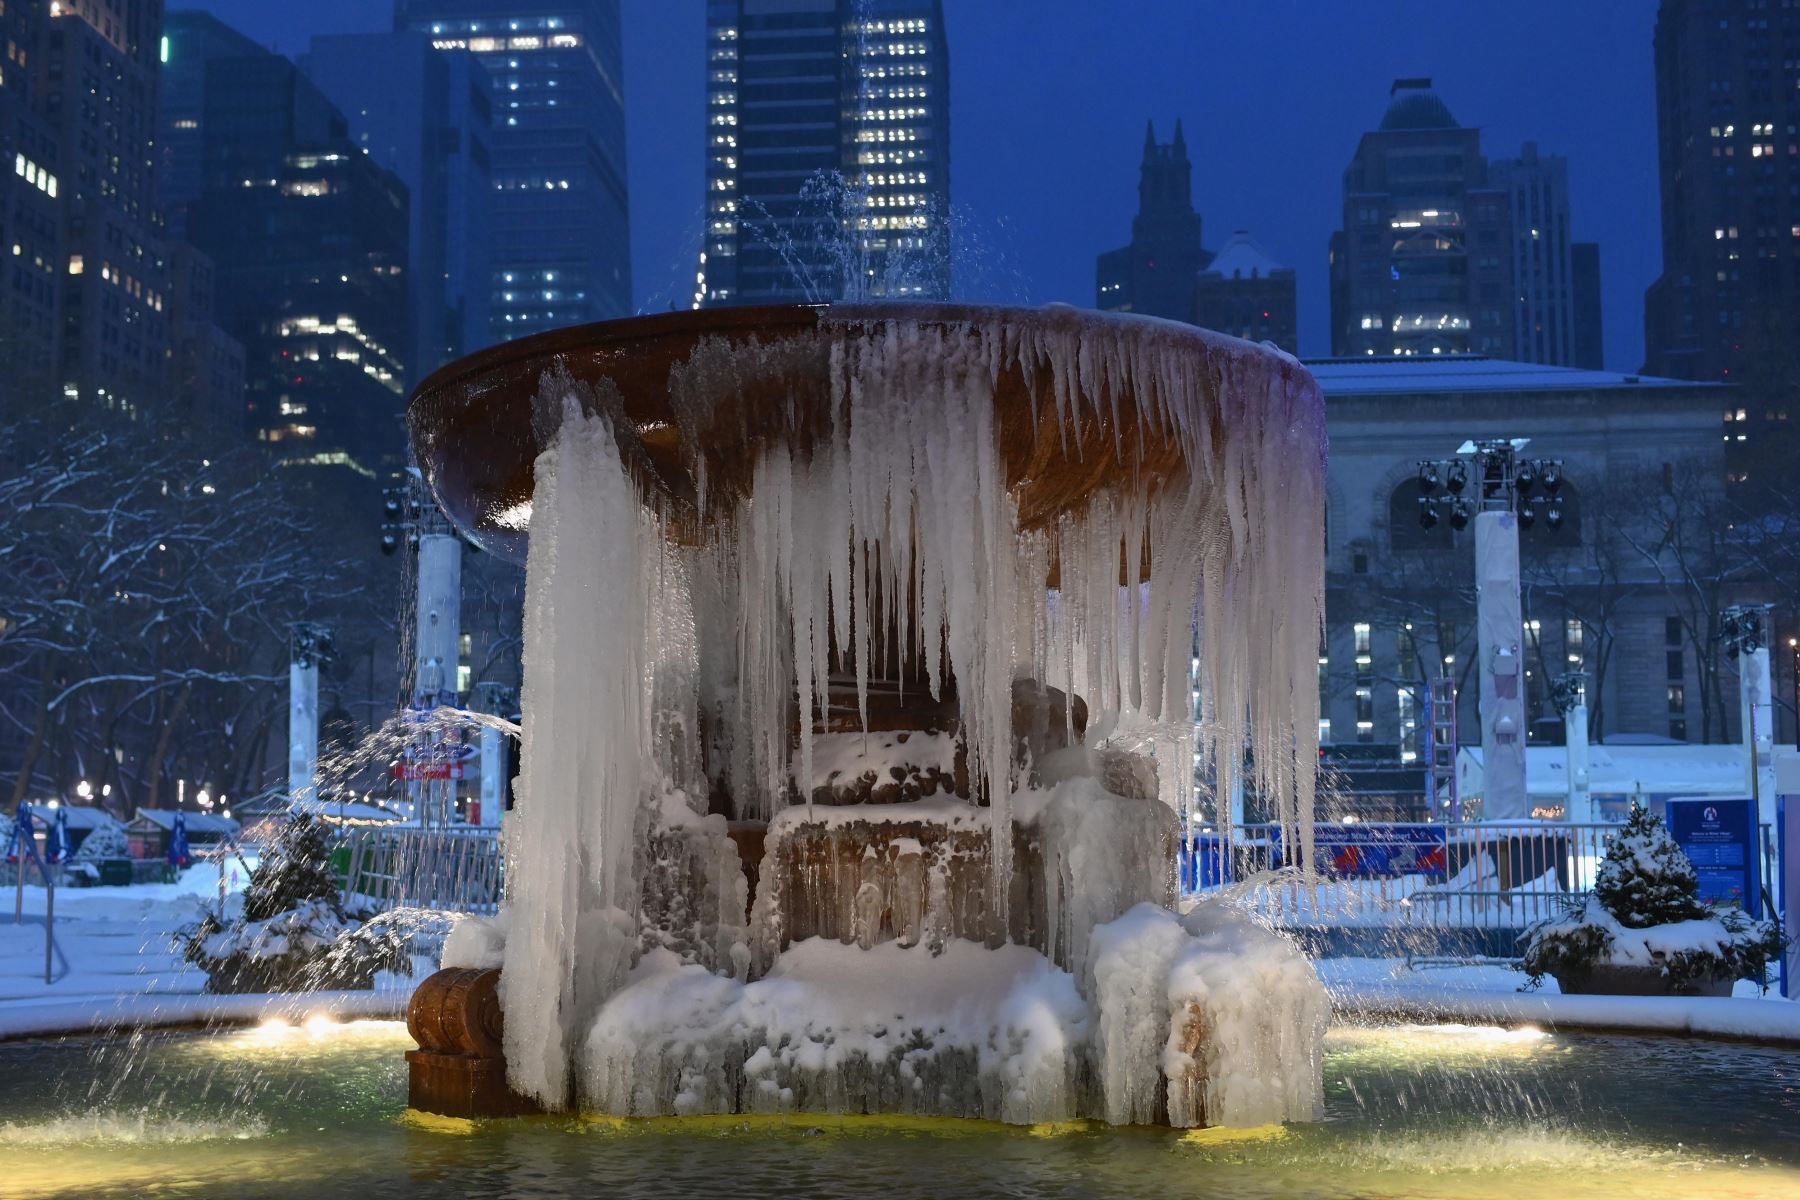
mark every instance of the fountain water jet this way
{"type": "Point", "coordinates": [783, 559]}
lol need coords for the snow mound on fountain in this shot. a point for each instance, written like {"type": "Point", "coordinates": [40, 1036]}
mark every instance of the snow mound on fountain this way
{"type": "Point", "coordinates": [1225, 1014]}
{"type": "Point", "coordinates": [1203, 1019]}
{"type": "Point", "coordinates": [971, 1032]}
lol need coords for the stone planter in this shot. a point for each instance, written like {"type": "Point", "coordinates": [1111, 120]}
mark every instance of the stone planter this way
{"type": "Point", "coordinates": [1608, 980]}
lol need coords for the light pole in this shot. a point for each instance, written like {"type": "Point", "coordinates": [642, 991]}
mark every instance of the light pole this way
{"type": "Point", "coordinates": [1505, 497]}
{"type": "Point", "coordinates": [437, 629]}
{"type": "Point", "coordinates": [312, 645]}
{"type": "Point", "coordinates": [498, 700]}
{"type": "Point", "coordinates": [1744, 630]}
{"type": "Point", "coordinates": [1569, 691]}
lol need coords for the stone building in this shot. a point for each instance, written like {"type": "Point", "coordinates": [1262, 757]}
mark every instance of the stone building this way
{"type": "Point", "coordinates": [1400, 605]}
{"type": "Point", "coordinates": [1165, 271]}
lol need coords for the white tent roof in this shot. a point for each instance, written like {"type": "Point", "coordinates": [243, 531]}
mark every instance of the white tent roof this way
{"type": "Point", "coordinates": [1678, 770]}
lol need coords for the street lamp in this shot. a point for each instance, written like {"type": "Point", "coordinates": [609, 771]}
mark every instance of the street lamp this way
{"type": "Point", "coordinates": [1744, 630]}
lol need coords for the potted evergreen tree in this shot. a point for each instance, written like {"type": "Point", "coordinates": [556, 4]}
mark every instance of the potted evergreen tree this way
{"type": "Point", "coordinates": [1643, 930]}
{"type": "Point", "coordinates": [294, 933]}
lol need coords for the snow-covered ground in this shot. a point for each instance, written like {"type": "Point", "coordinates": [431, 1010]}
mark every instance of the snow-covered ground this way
{"type": "Point", "coordinates": [115, 964]}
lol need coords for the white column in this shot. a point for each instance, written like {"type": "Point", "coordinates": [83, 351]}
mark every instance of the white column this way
{"type": "Point", "coordinates": [1575, 740]}
{"type": "Point", "coordinates": [1756, 714]}
{"type": "Point", "coordinates": [493, 780]}
{"type": "Point", "coordinates": [1499, 627]}
{"type": "Point", "coordinates": [303, 726]}
{"type": "Point", "coordinates": [439, 617]}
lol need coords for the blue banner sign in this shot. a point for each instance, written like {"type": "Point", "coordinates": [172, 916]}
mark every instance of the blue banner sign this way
{"type": "Point", "coordinates": [1719, 838]}
{"type": "Point", "coordinates": [1374, 851]}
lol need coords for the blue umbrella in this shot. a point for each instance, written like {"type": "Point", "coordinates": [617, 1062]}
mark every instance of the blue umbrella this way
{"type": "Point", "coordinates": [20, 846]}
{"type": "Point", "coordinates": [56, 839]}
{"type": "Point", "coordinates": [178, 844]}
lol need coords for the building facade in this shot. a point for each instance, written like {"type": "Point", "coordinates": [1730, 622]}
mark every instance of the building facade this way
{"type": "Point", "coordinates": [425, 115]}
{"type": "Point", "coordinates": [308, 239]}
{"type": "Point", "coordinates": [1543, 273]}
{"type": "Point", "coordinates": [1399, 607]}
{"type": "Point", "coordinates": [32, 258]}
{"type": "Point", "coordinates": [1423, 264]}
{"type": "Point", "coordinates": [558, 233]}
{"type": "Point", "coordinates": [1247, 294]}
{"type": "Point", "coordinates": [827, 151]}
{"type": "Point", "coordinates": [1590, 341]}
{"type": "Point", "coordinates": [101, 95]}
{"type": "Point", "coordinates": [1727, 304]}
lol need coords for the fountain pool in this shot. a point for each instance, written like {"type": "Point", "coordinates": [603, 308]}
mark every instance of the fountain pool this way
{"type": "Point", "coordinates": [1441, 1111]}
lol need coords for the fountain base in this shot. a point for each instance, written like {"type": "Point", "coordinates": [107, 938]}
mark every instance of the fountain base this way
{"type": "Point", "coordinates": [459, 1069]}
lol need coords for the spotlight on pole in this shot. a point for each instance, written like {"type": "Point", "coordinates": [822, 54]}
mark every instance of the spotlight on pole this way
{"type": "Point", "coordinates": [1459, 514]}
{"type": "Point", "coordinates": [1456, 478]}
{"type": "Point", "coordinates": [1428, 514]}
{"type": "Point", "coordinates": [1552, 478]}
{"type": "Point", "coordinates": [389, 543]}
{"type": "Point", "coordinates": [1527, 513]}
{"type": "Point", "coordinates": [1428, 478]}
{"type": "Point", "coordinates": [1553, 515]}
{"type": "Point", "coordinates": [1526, 478]}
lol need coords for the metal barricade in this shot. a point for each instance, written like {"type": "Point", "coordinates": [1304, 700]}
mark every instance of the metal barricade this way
{"type": "Point", "coordinates": [1486, 875]}
{"type": "Point", "coordinates": [452, 869]}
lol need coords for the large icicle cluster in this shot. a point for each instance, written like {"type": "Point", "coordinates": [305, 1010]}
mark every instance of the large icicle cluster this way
{"type": "Point", "coordinates": [885, 521]}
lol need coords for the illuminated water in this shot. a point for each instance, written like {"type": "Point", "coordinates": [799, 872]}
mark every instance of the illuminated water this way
{"type": "Point", "coordinates": [1412, 1112]}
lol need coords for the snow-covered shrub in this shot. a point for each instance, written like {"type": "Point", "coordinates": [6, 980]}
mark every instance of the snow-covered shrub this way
{"type": "Point", "coordinates": [294, 932]}
{"type": "Point", "coordinates": [1645, 911]}
{"type": "Point", "coordinates": [106, 841]}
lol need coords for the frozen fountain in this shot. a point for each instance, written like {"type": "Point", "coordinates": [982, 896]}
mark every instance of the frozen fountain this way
{"type": "Point", "coordinates": [869, 654]}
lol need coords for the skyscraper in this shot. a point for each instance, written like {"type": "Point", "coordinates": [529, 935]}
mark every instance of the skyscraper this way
{"type": "Point", "coordinates": [1423, 264]}
{"type": "Point", "coordinates": [31, 187]}
{"type": "Point", "coordinates": [101, 88]}
{"type": "Point", "coordinates": [1537, 190]}
{"type": "Point", "coordinates": [1155, 274]}
{"type": "Point", "coordinates": [425, 115]}
{"type": "Point", "coordinates": [558, 226]}
{"type": "Point", "coordinates": [308, 240]}
{"type": "Point", "coordinates": [1727, 304]}
{"type": "Point", "coordinates": [827, 151]}
{"type": "Point", "coordinates": [190, 39]}
{"type": "Point", "coordinates": [1584, 262]}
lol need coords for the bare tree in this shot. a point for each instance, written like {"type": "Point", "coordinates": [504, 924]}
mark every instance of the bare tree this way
{"type": "Point", "coordinates": [147, 581]}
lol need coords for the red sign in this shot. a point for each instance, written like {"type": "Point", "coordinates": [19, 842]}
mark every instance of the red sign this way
{"type": "Point", "coordinates": [430, 770]}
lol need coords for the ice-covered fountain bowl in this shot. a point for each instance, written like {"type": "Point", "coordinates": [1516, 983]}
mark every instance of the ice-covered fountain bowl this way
{"type": "Point", "coordinates": [478, 425]}
{"type": "Point", "coordinates": [821, 602]}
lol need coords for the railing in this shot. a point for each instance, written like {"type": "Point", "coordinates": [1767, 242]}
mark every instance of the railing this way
{"type": "Point", "coordinates": [452, 869]}
{"type": "Point", "coordinates": [1486, 876]}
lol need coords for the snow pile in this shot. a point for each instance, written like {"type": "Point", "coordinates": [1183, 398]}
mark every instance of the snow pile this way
{"type": "Point", "coordinates": [972, 1032]}
{"type": "Point", "coordinates": [883, 762]}
{"type": "Point", "coordinates": [477, 941]}
{"type": "Point", "coordinates": [312, 925]}
{"type": "Point", "coordinates": [1261, 1014]}
{"type": "Point", "coordinates": [1226, 1019]}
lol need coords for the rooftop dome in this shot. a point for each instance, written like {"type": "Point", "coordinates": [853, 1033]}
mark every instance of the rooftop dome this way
{"type": "Point", "coordinates": [1417, 110]}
